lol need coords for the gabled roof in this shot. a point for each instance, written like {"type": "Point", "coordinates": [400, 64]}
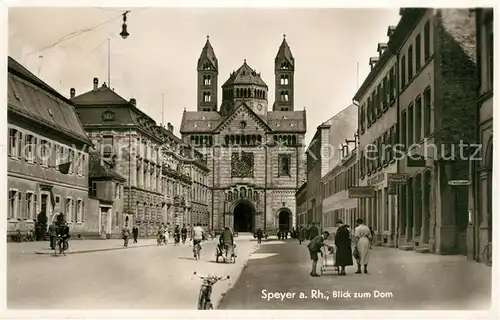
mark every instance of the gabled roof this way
{"type": "Point", "coordinates": [287, 121]}
{"type": "Point", "coordinates": [100, 169]}
{"type": "Point", "coordinates": [30, 97]}
{"type": "Point", "coordinates": [245, 75]}
{"type": "Point", "coordinates": [285, 52]}
{"type": "Point", "coordinates": [208, 53]}
{"type": "Point", "coordinates": [99, 96]}
{"type": "Point", "coordinates": [237, 110]}
{"type": "Point", "coordinates": [199, 121]}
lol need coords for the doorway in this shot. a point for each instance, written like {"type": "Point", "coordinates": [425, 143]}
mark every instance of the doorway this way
{"type": "Point", "coordinates": [243, 218]}
{"type": "Point", "coordinates": [284, 220]}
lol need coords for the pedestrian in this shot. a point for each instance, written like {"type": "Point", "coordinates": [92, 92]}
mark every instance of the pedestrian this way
{"type": "Point", "coordinates": [177, 235]}
{"type": "Point", "coordinates": [315, 247]}
{"type": "Point", "coordinates": [125, 235]}
{"type": "Point", "coordinates": [259, 236]}
{"type": "Point", "coordinates": [184, 232]}
{"type": "Point", "coordinates": [302, 234]}
{"type": "Point", "coordinates": [166, 235]}
{"type": "Point", "coordinates": [343, 256]}
{"type": "Point", "coordinates": [363, 239]}
{"type": "Point", "coordinates": [313, 231]}
{"type": "Point", "coordinates": [135, 233]}
{"type": "Point", "coordinates": [227, 241]}
{"type": "Point", "coordinates": [52, 235]}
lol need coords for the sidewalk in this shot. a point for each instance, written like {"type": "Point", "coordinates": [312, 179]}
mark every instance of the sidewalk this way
{"type": "Point", "coordinates": [396, 280]}
{"type": "Point", "coordinates": [77, 246]}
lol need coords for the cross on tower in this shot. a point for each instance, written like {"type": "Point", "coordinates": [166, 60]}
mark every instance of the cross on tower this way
{"type": "Point", "coordinates": [208, 37]}
{"type": "Point", "coordinates": [284, 36]}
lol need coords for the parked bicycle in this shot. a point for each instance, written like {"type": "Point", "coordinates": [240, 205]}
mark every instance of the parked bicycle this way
{"type": "Point", "coordinates": [488, 254]}
{"type": "Point", "coordinates": [62, 246]}
{"type": "Point", "coordinates": [204, 298]}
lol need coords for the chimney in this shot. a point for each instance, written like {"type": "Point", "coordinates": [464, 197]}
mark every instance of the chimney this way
{"type": "Point", "coordinates": [96, 83]}
{"type": "Point", "coordinates": [373, 62]}
{"type": "Point", "coordinates": [390, 31]}
{"type": "Point", "coordinates": [170, 127]}
{"type": "Point", "coordinates": [133, 102]}
{"type": "Point", "coordinates": [72, 93]}
{"type": "Point", "coordinates": [381, 48]}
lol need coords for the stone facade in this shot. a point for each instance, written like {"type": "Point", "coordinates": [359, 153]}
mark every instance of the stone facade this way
{"type": "Point", "coordinates": [301, 206]}
{"type": "Point", "coordinates": [47, 157]}
{"type": "Point", "coordinates": [255, 156]}
{"type": "Point", "coordinates": [480, 231]}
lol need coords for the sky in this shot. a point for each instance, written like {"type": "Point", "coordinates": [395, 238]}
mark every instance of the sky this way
{"type": "Point", "coordinates": [160, 56]}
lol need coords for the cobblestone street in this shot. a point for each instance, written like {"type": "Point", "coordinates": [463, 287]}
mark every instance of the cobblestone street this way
{"type": "Point", "coordinates": [408, 279]}
{"type": "Point", "coordinates": [137, 278]}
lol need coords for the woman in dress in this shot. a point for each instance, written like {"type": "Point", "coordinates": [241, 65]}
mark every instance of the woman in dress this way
{"type": "Point", "coordinates": [363, 240]}
{"type": "Point", "coordinates": [343, 256]}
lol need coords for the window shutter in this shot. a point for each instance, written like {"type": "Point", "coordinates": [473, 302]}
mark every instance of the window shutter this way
{"type": "Point", "coordinates": [83, 211]}
{"type": "Point", "coordinates": [19, 205]}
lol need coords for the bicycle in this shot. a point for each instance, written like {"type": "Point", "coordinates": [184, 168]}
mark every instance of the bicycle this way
{"type": "Point", "coordinates": [62, 246]}
{"type": "Point", "coordinates": [196, 251]}
{"type": "Point", "coordinates": [488, 254]}
{"type": "Point", "coordinates": [204, 301]}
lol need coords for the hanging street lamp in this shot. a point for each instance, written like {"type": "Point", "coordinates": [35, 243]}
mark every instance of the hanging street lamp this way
{"type": "Point", "coordinates": [124, 34]}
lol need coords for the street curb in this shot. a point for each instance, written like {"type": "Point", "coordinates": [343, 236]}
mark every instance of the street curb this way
{"type": "Point", "coordinates": [219, 299]}
{"type": "Point", "coordinates": [51, 252]}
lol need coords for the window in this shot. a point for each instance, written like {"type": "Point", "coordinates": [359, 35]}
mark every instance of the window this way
{"type": "Point", "coordinates": [369, 111]}
{"type": "Point", "coordinates": [107, 147]}
{"type": "Point", "coordinates": [427, 112]}
{"type": "Point", "coordinates": [44, 153]}
{"type": "Point", "coordinates": [410, 63]}
{"type": "Point", "coordinates": [489, 53]}
{"type": "Point", "coordinates": [30, 147]}
{"type": "Point", "coordinates": [118, 189]}
{"type": "Point", "coordinates": [410, 124]}
{"type": "Point", "coordinates": [427, 41]}
{"type": "Point", "coordinates": [207, 80]}
{"type": "Point", "coordinates": [386, 153]}
{"type": "Point", "coordinates": [15, 145]}
{"type": "Point", "coordinates": [284, 96]}
{"type": "Point", "coordinates": [79, 214]}
{"type": "Point", "coordinates": [418, 50]}
{"type": "Point", "coordinates": [418, 118]}
{"type": "Point", "coordinates": [117, 216]}
{"type": "Point", "coordinates": [58, 199]}
{"type": "Point", "coordinates": [93, 189]}
{"type": "Point", "coordinates": [403, 129]}
{"type": "Point", "coordinates": [67, 208]}
{"type": "Point", "coordinates": [14, 203]}
{"type": "Point", "coordinates": [28, 213]}
{"type": "Point", "coordinates": [403, 72]}
{"type": "Point", "coordinates": [386, 93]}
{"type": "Point", "coordinates": [73, 211]}
{"type": "Point", "coordinates": [207, 97]}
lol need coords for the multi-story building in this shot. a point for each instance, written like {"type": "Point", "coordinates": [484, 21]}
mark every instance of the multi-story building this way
{"type": "Point", "coordinates": [436, 99]}
{"type": "Point", "coordinates": [323, 155]}
{"type": "Point", "coordinates": [48, 156]}
{"type": "Point", "coordinates": [337, 205]}
{"type": "Point", "coordinates": [134, 144]}
{"type": "Point", "coordinates": [301, 205]}
{"type": "Point", "coordinates": [197, 164]}
{"type": "Point", "coordinates": [255, 155]}
{"type": "Point", "coordinates": [378, 116]}
{"type": "Point", "coordinates": [106, 187]}
{"type": "Point", "coordinates": [480, 192]}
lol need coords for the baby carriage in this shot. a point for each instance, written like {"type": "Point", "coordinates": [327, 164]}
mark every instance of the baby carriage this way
{"type": "Point", "coordinates": [220, 252]}
{"type": "Point", "coordinates": [329, 254]}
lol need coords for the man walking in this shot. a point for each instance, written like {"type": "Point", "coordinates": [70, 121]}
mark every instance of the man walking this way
{"type": "Point", "coordinates": [259, 236]}
{"type": "Point", "coordinates": [53, 235]}
{"type": "Point", "coordinates": [315, 246]}
{"type": "Point", "coordinates": [135, 233]}
{"type": "Point", "coordinates": [313, 231]}
{"type": "Point", "coordinates": [125, 235]}
{"type": "Point", "coordinates": [227, 240]}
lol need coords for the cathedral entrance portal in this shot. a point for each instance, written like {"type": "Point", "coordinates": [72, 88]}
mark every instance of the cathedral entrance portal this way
{"type": "Point", "coordinates": [243, 217]}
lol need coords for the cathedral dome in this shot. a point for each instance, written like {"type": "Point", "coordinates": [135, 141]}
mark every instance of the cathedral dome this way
{"type": "Point", "coordinates": [245, 76]}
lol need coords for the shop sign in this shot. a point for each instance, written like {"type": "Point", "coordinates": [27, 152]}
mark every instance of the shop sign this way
{"type": "Point", "coordinates": [361, 192]}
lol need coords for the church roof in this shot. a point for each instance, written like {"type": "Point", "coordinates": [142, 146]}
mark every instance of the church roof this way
{"type": "Point", "coordinates": [200, 121]}
{"type": "Point", "coordinates": [245, 75]}
{"type": "Point", "coordinates": [99, 96]}
{"type": "Point", "coordinates": [28, 96]}
{"type": "Point", "coordinates": [285, 52]}
{"type": "Point", "coordinates": [208, 53]}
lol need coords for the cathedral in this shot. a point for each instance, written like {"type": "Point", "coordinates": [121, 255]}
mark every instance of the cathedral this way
{"type": "Point", "coordinates": [256, 155]}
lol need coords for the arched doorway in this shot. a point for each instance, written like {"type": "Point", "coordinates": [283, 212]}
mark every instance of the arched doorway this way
{"type": "Point", "coordinates": [243, 217]}
{"type": "Point", "coordinates": [284, 220]}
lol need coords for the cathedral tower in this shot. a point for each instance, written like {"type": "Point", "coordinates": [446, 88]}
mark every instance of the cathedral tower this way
{"type": "Point", "coordinates": [284, 67]}
{"type": "Point", "coordinates": [208, 70]}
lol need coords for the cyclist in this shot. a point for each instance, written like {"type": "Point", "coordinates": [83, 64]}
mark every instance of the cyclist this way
{"type": "Point", "coordinates": [63, 235]}
{"type": "Point", "coordinates": [198, 234]}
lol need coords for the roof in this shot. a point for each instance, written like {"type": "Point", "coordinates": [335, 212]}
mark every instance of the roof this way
{"type": "Point", "coordinates": [208, 53]}
{"type": "Point", "coordinates": [100, 169]}
{"type": "Point", "coordinates": [285, 52]}
{"type": "Point", "coordinates": [199, 121]}
{"type": "Point", "coordinates": [102, 95]}
{"type": "Point", "coordinates": [30, 97]}
{"type": "Point", "coordinates": [245, 75]}
{"type": "Point", "coordinates": [287, 121]}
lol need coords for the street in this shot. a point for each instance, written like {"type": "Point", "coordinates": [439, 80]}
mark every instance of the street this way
{"type": "Point", "coordinates": [396, 280]}
{"type": "Point", "coordinates": [135, 278]}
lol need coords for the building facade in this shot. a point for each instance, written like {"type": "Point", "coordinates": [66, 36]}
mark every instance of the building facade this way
{"type": "Point", "coordinates": [480, 191]}
{"type": "Point", "coordinates": [337, 205]}
{"type": "Point", "coordinates": [254, 155]}
{"type": "Point", "coordinates": [150, 158]}
{"type": "Point", "coordinates": [47, 157]}
{"type": "Point", "coordinates": [378, 117]}
{"type": "Point", "coordinates": [435, 102]}
{"type": "Point", "coordinates": [301, 206]}
{"type": "Point", "coordinates": [106, 191]}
